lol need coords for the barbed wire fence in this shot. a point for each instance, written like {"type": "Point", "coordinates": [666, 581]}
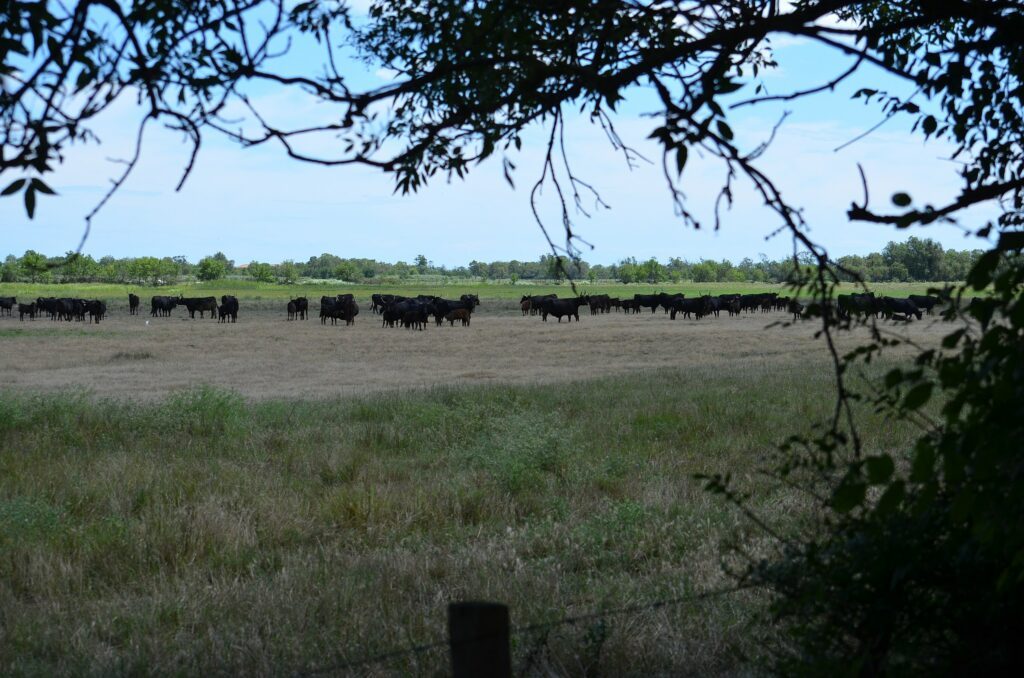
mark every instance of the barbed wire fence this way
{"type": "Point", "coordinates": [479, 633]}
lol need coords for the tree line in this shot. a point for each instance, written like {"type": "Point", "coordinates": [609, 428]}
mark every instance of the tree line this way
{"type": "Point", "coordinates": [915, 260]}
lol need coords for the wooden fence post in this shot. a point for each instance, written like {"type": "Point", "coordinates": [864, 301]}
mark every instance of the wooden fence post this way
{"type": "Point", "coordinates": [479, 636]}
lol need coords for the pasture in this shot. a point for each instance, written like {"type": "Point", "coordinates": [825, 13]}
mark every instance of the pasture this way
{"type": "Point", "coordinates": [270, 497]}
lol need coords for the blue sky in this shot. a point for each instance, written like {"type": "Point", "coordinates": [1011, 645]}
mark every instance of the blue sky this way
{"type": "Point", "coordinates": [255, 204]}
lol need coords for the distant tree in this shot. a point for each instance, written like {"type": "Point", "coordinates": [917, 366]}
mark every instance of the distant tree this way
{"type": "Point", "coordinates": [211, 268]}
{"type": "Point", "coordinates": [229, 264]}
{"type": "Point", "coordinates": [260, 272]}
{"type": "Point", "coordinates": [347, 271]}
{"type": "Point", "coordinates": [10, 271]}
{"type": "Point", "coordinates": [288, 271]}
{"type": "Point", "coordinates": [78, 268]}
{"type": "Point", "coordinates": [421, 264]}
{"type": "Point", "coordinates": [34, 265]}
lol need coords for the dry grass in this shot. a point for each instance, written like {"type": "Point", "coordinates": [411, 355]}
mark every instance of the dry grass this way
{"type": "Point", "coordinates": [287, 525]}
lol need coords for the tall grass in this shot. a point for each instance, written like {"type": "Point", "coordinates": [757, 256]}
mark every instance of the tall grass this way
{"type": "Point", "coordinates": [207, 534]}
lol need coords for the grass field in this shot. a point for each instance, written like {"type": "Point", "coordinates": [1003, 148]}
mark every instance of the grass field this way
{"type": "Point", "coordinates": [207, 534]}
{"type": "Point", "coordinates": [267, 497]}
{"type": "Point", "coordinates": [259, 291]}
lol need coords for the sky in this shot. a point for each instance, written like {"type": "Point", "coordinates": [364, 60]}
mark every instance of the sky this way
{"type": "Point", "coordinates": [256, 204]}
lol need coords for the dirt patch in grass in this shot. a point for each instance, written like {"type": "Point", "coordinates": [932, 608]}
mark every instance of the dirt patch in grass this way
{"type": "Point", "coordinates": [264, 356]}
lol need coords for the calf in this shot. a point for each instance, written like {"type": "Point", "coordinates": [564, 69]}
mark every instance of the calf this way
{"type": "Point", "coordinates": [133, 304]}
{"type": "Point", "coordinates": [461, 314]}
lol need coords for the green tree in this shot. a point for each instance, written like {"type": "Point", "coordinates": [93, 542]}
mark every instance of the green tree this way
{"type": "Point", "coordinates": [10, 271]}
{"type": "Point", "coordinates": [211, 268]}
{"type": "Point", "coordinates": [421, 264]}
{"type": "Point", "coordinates": [289, 272]}
{"type": "Point", "coordinates": [34, 265]}
{"type": "Point", "coordinates": [260, 272]}
{"type": "Point", "coordinates": [347, 271]}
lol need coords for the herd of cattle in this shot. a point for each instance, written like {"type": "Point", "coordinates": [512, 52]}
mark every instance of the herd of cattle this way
{"type": "Point", "coordinates": [416, 312]}
{"type": "Point", "coordinates": [56, 309]}
{"type": "Point", "coordinates": [847, 305]}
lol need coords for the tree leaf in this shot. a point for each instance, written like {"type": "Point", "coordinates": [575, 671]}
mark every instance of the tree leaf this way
{"type": "Point", "coordinates": [681, 155]}
{"type": "Point", "coordinates": [13, 187]}
{"type": "Point", "coordinates": [891, 498]}
{"type": "Point", "coordinates": [38, 185]}
{"type": "Point", "coordinates": [918, 396]}
{"type": "Point", "coordinates": [879, 468]}
{"type": "Point", "coordinates": [30, 201]}
{"type": "Point", "coordinates": [848, 496]}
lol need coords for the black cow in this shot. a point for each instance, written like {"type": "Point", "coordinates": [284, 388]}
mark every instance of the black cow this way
{"type": "Point", "coordinates": [300, 310]}
{"type": "Point", "coordinates": [162, 306]}
{"type": "Point", "coordinates": [47, 305]}
{"type": "Point", "coordinates": [439, 308]}
{"type": "Point", "coordinates": [201, 304]}
{"type": "Point", "coordinates": [133, 304]}
{"type": "Point", "coordinates": [699, 307]}
{"type": "Point", "coordinates": [667, 300]}
{"type": "Point", "coordinates": [859, 304]}
{"type": "Point", "coordinates": [729, 302]}
{"type": "Point", "coordinates": [650, 301]}
{"type": "Point", "coordinates": [341, 307]}
{"type": "Point", "coordinates": [229, 305]}
{"type": "Point", "coordinates": [796, 308]}
{"type": "Point", "coordinates": [899, 307]}
{"type": "Point", "coordinates": [27, 310]}
{"type": "Point", "coordinates": [96, 310]}
{"type": "Point", "coordinates": [924, 302]}
{"type": "Point", "coordinates": [70, 309]}
{"type": "Point", "coordinates": [7, 304]}
{"type": "Point", "coordinates": [416, 318]}
{"type": "Point", "coordinates": [562, 307]}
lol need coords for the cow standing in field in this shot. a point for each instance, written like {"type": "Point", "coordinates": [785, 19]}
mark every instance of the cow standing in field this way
{"type": "Point", "coordinates": [27, 310]}
{"type": "Point", "coordinates": [96, 310]}
{"type": "Point", "coordinates": [201, 304]}
{"type": "Point", "coordinates": [650, 301]}
{"type": "Point", "coordinates": [461, 314]}
{"type": "Point", "coordinates": [162, 306]}
{"type": "Point", "coordinates": [341, 307]}
{"type": "Point", "coordinates": [562, 307]}
{"type": "Point", "coordinates": [7, 304]}
{"type": "Point", "coordinates": [133, 304]}
{"type": "Point", "coordinates": [228, 308]}
{"type": "Point", "coordinates": [924, 302]}
{"type": "Point", "coordinates": [292, 310]}
{"type": "Point", "coordinates": [699, 307]}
